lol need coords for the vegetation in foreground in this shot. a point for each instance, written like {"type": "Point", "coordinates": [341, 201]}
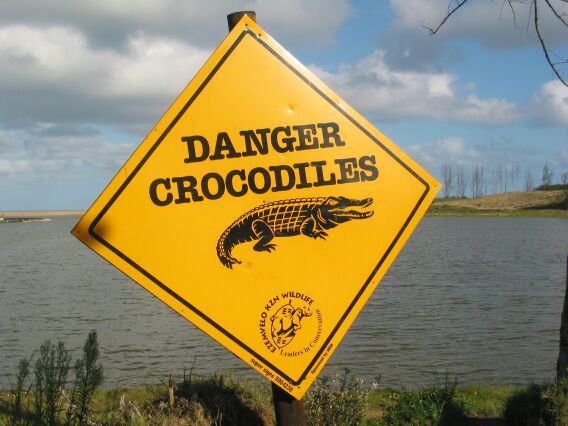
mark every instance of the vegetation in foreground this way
{"type": "Point", "coordinates": [342, 400]}
{"type": "Point", "coordinates": [41, 394]}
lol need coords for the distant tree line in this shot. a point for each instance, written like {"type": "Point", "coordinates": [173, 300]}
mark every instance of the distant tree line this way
{"type": "Point", "coordinates": [477, 181]}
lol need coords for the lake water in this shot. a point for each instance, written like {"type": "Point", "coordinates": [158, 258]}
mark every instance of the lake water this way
{"type": "Point", "coordinates": [478, 298]}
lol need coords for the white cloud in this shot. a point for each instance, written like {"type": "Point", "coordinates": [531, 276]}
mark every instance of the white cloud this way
{"type": "Point", "coordinates": [492, 23]}
{"type": "Point", "coordinates": [550, 104]}
{"type": "Point", "coordinates": [388, 94]}
{"type": "Point", "coordinates": [302, 21]}
{"type": "Point", "coordinates": [201, 23]}
{"type": "Point", "coordinates": [53, 74]}
{"type": "Point", "coordinates": [62, 57]}
{"type": "Point", "coordinates": [32, 155]}
{"type": "Point", "coordinates": [154, 67]}
{"type": "Point", "coordinates": [56, 55]}
{"type": "Point", "coordinates": [452, 150]}
{"type": "Point", "coordinates": [496, 158]}
{"type": "Point", "coordinates": [10, 167]}
{"type": "Point", "coordinates": [122, 63]}
{"type": "Point", "coordinates": [501, 153]}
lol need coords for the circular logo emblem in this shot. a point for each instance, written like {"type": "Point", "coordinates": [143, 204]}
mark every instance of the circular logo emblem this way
{"type": "Point", "coordinates": [290, 324]}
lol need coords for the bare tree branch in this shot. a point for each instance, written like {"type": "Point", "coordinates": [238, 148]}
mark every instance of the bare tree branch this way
{"type": "Point", "coordinates": [558, 15]}
{"type": "Point", "coordinates": [543, 44]}
{"type": "Point", "coordinates": [512, 10]}
{"type": "Point", "coordinates": [455, 5]}
{"type": "Point", "coordinates": [451, 11]}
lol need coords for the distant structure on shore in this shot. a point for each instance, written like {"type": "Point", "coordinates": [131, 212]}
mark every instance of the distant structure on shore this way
{"type": "Point", "coordinates": [13, 219]}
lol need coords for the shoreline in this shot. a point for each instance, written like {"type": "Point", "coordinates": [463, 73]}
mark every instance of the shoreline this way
{"type": "Point", "coordinates": [433, 211]}
{"type": "Point", "coordinates": [43, 213]}
{"type": "Point", "coordinates": [523, 213]}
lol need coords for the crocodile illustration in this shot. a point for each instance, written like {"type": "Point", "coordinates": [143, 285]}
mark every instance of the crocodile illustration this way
{"type": "Point", "coordinates": [286, 218]}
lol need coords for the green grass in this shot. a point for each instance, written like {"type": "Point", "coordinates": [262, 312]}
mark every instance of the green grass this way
{"type": "Point", "coordinates": [484, 401]}
{"type": "Point", "coordinates": [433, 405]}
{"type": "Point", "coordinates": [445, 210]}
{"type": "Point", "coordinates": [508, 204]}
{"type": "Point", "coordinates": [417, 407]}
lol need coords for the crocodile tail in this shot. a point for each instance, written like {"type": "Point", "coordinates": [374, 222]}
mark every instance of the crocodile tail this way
{"type": "Point", "coordinates": [224, 251]}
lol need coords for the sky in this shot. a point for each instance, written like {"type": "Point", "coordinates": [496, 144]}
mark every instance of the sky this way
{"type": "Point", "coordinates": [82, 83]}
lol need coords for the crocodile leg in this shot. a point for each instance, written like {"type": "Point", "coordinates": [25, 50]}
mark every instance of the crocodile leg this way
{"type": "Point", "coordinates": [308, 229]}
{"type": "Point", "coordinates": [263, 231]}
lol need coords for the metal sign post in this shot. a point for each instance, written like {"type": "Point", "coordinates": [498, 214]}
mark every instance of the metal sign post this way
{"type": "Point", "coordinates": [235, 17]}
{"type": "Point", "coordinates": [289, 411]}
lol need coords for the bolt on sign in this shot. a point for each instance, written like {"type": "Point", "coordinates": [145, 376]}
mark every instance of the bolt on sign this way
{"type": "Point", "coordinates": [262, 208]}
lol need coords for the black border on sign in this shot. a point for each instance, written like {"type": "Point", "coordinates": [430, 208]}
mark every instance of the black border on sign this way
{"type": "Point", "coordinates": [176, 296]}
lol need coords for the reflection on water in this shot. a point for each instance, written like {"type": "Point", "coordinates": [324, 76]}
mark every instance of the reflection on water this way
{"type": "Point", "coordinates": [476, 297]}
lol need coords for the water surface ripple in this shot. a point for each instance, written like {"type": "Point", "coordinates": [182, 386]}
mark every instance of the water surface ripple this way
{"type": "Point", "coordinates": [478, 298]}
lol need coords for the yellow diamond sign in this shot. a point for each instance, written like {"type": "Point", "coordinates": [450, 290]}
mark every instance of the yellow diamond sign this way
{"type": "Point", "coordinates": [262, 208]}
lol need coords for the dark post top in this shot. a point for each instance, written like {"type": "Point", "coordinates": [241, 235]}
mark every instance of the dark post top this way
{"type": "Point", "coordinates": [235, 17]}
